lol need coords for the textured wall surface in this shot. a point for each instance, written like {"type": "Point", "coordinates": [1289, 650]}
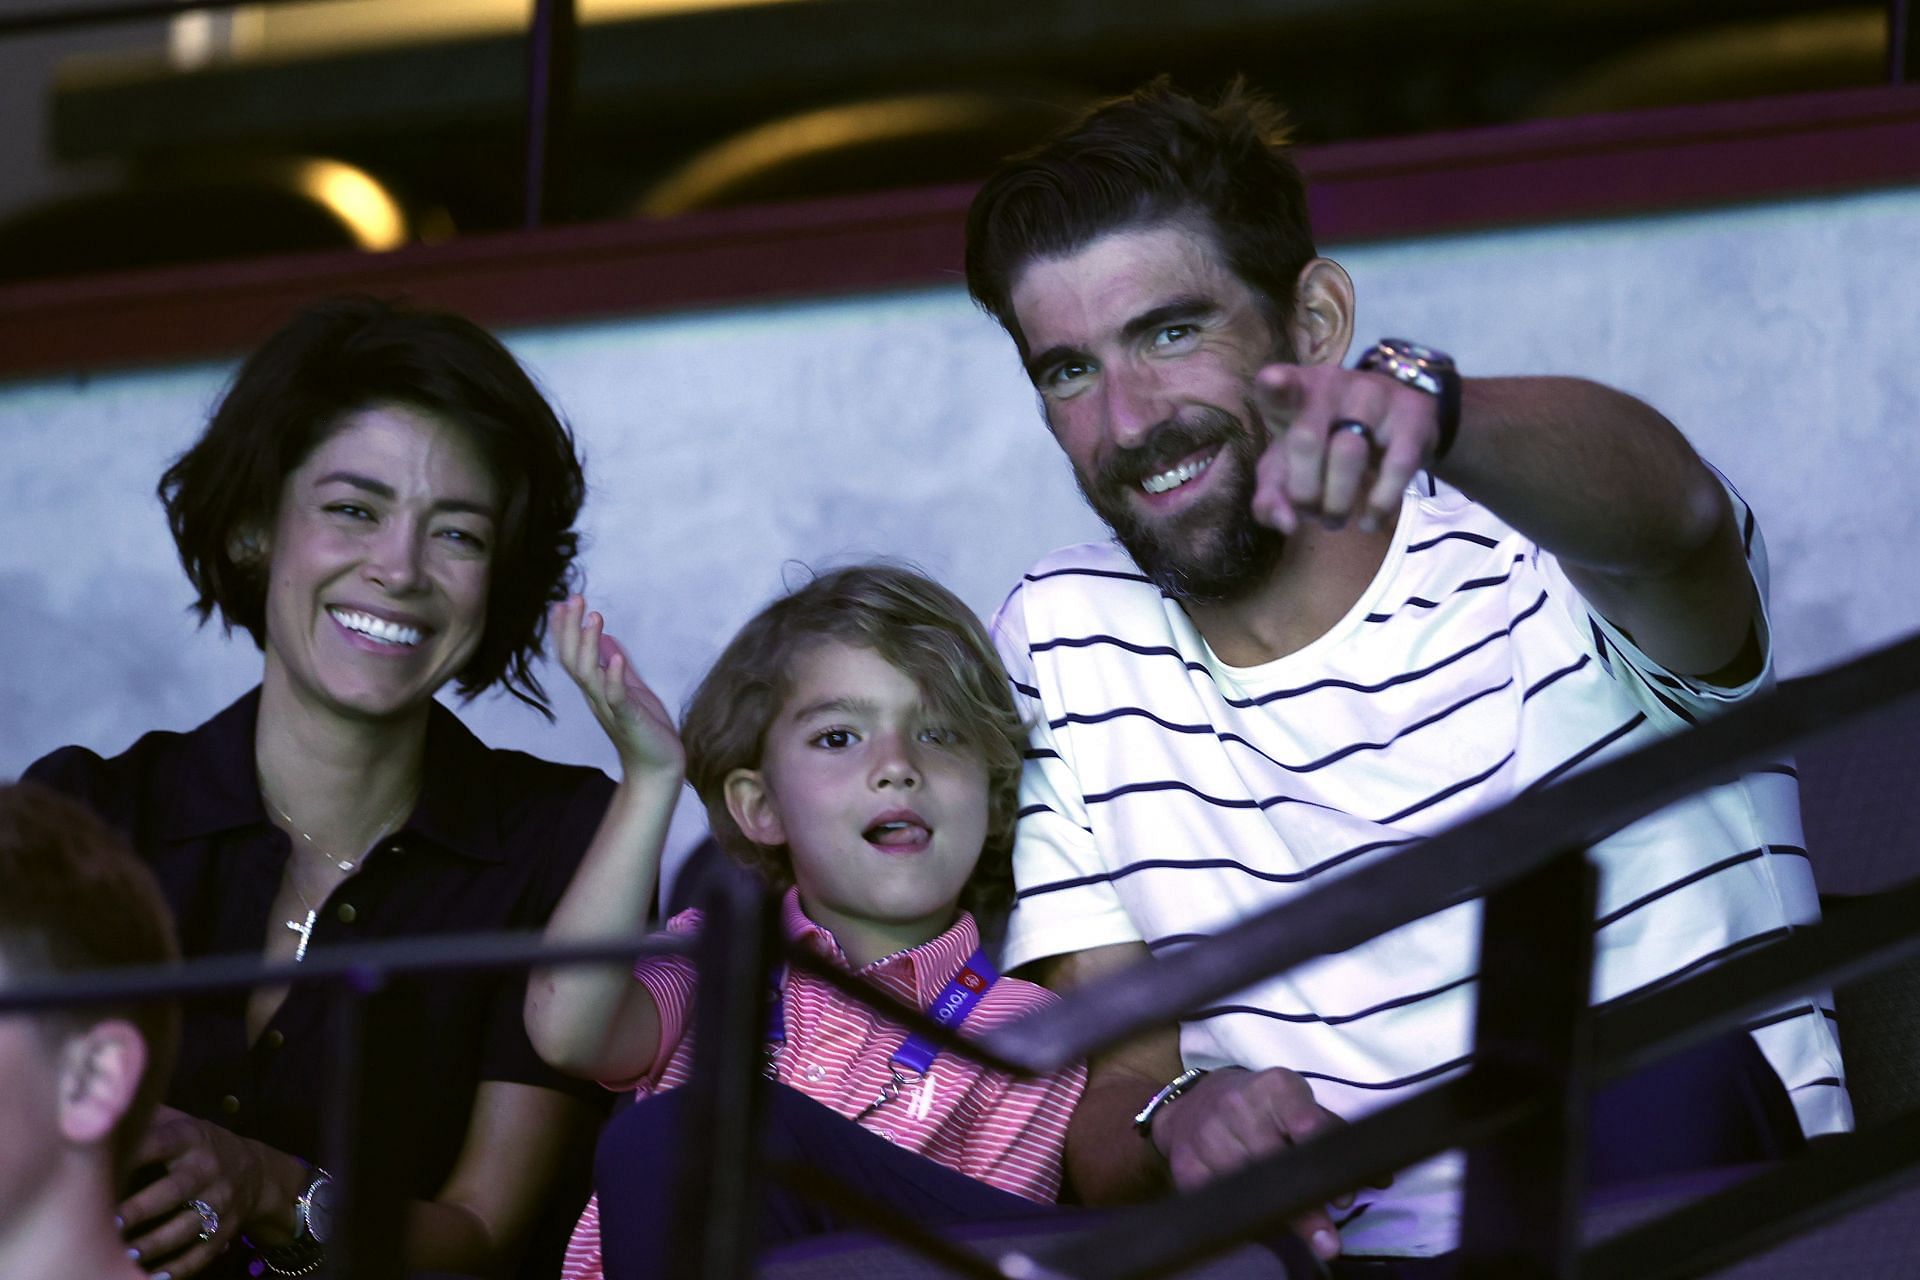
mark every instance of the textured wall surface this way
{"type": "Point", "coordinates": [727, 450]}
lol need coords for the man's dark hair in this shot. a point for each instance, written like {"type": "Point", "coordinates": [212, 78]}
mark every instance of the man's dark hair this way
{"type": "Point", "coordinates": [349, 354]}
{"type": "Point", "coordinates": [77, 898]}
{"type": "Point", "coordinates": [1155, 156]}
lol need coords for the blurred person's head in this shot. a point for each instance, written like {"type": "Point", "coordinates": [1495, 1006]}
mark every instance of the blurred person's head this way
{"type": "Point", "coordinates": [77, 1085]}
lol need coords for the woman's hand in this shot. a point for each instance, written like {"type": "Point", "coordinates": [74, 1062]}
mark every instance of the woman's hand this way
{"type": "Point", "coordinates": [247, 1184]}
{"type": "Point", "coordinates": [632, 714]}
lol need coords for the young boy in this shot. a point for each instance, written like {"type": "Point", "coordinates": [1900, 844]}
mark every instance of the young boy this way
{"type": "Point", "coordinates": [77, 1086]}
{"type": "Point", "coordinates": [858, 743]}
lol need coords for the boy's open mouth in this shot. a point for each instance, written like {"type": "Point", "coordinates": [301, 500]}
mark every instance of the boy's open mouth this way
{"type": "Point", "coordinates": [902, 832]}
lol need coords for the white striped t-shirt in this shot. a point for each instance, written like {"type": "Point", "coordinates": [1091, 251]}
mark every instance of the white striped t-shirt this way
{"type": "Point", "coordinates": [1167, 795]}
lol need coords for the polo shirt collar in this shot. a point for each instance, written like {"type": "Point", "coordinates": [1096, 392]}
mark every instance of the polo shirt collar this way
{"type": "Point", "coordinates": [214, 785]}
{"type": "Point", "coordinates": [918, 973]}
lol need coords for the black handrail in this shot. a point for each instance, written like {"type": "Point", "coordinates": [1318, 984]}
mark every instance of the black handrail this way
{"type": "Point", "coordinates": [1481, 1105]}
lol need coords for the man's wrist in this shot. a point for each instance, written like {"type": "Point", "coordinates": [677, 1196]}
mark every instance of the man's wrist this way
{"type": "Point", "coordinates": [1167, 1094]}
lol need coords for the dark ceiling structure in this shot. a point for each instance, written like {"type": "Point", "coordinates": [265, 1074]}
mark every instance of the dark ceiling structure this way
{"type": "Point", "coordinates": [702, 108]}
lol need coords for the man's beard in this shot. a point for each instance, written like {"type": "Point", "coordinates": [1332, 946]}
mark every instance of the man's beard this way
{"type": "Point", "coordinates": [1214, 551]}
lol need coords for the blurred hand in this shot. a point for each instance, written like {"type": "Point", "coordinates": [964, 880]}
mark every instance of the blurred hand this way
{"type": "Point", "coordinates": [204, 1162]}
{"type": "Point", "coordinates": [1233, 1118]}
{"type": "Point", "coordinates": [633, 716]}
{"type": "Point", "coordinates": [1316, 467]}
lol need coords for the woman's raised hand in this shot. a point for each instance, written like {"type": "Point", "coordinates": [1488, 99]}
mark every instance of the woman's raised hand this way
{"type": "Point", "coordinates": [632, 714]}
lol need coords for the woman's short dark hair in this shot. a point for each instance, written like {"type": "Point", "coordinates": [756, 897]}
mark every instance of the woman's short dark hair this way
{"type": "Point", "coordinates": [1153, 157]}
{"type": "Point", "coordinates": [349, 354]}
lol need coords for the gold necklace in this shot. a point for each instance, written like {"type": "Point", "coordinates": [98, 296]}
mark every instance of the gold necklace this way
{"type": "Point", "coordinates": [345, 864]}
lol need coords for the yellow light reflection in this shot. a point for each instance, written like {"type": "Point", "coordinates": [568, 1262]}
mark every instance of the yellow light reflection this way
{"type": "Point", "coordinates": [356, 198]}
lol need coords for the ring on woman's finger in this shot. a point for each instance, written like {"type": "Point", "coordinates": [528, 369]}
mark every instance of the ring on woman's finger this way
{"type": "Point", "coordinates": [209, 1219]}
{"type": "Point", "coordinates": [1358, 428]}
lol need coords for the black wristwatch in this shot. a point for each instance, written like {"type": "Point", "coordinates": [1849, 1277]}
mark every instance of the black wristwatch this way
{"type": "Point", "coordinates": [1424, 369]}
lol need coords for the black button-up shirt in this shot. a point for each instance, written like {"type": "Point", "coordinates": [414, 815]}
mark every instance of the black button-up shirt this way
{"type": "Point", "coordinates": [491, 844]}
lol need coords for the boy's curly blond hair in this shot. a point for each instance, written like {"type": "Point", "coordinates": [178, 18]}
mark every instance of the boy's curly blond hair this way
{"type": "Point", "coordinates": [914, 623]}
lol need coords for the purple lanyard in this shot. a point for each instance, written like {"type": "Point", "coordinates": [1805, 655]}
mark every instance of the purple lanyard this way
{"type": "Point", "coordinates": [950, 1008]}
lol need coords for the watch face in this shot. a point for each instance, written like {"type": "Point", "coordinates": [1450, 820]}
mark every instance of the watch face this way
{"type": "Point", "coordinates": [319, 1209]}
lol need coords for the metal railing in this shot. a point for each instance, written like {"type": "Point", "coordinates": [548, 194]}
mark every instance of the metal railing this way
{"type": "Point", "coordinates": [1538, 1046]}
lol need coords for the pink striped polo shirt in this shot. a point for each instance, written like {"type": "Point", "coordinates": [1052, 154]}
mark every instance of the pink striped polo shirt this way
{"type": "Point", "coordinates": [1008, 1132]}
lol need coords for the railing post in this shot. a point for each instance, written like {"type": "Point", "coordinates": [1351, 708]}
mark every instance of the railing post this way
{"type": "Point", "coordinates": [716, 1225]}
{"type": "Point", "coordinates": [368, 1241]}
{"type": "Point", "coordinates": [1521, 1216]}
{"type": "Point", "coordinates": [551, 35]}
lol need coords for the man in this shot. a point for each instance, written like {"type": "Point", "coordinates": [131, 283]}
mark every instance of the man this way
{"type": "Point", "coordinates": [1354, 607]}
{"type": "Point", "coordinates": [76, 1088]}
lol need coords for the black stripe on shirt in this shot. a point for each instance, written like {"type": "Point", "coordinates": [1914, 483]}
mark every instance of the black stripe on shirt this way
{"type": "Point", "coordinates": [1033, 809]}
{"type": "Point", "coordinates": [1788, 1015]}
{"type": "Point", "coordinates": [1712, 957]}
{"type": "Point", "coordinates": [1088, 642]}
{"type": "Point", "coordinates": [1694, 877]}
{"type": "Point", "coordinates": [1553, 677]}
{"type": "Point", "coordinates": [1241, 704]}
{"type": "Point", "coordinates": [1039, 753]}
{"type": "Point", "coordinates": [1579, 757]}
{"type": "Point", "coordinates": [1333, 757]}
{"type": "Point", "coordinates": [1461, 534]}
{"type": "Point", "coordinates": [1079, 571]}
{"type": "Point", "coordinates": [1471, 584]}
{"type": "Point", "coordinates": [1329, 1019]}
{"type": "Point", "coordinates": [1416, 1078]}
{"type": "Point", "coordinates": [1446, 793]}
{"type": "Point", "coordinates": [1405, 677]}
{"type": "Point", "coordinates": [1210, 864]}
{"type": "Point", "coordinates": [1027, 689]}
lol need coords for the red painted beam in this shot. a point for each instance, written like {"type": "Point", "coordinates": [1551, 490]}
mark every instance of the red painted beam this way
{"type": "Point", "coordinates": [1546, 171]}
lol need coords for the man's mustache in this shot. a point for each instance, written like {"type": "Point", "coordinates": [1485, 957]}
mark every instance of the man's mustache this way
{"type": "Point", "coordinates": [1166, 444]}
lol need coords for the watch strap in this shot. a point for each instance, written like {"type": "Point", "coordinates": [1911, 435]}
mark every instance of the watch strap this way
{"type": "Point", "coordinates": [1168, 1092]}
{"type": "Point", "coordinates": [1423, 369]}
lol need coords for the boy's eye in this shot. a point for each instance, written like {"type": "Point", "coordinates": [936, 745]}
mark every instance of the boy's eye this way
{"type": "Point", "coordinates": [833, 739]}
{"type": "Point", "coordinates": [940, 735]}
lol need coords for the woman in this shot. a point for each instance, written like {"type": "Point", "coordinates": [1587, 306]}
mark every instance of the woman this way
{"type": "Point", "coordinates": [385, 502]}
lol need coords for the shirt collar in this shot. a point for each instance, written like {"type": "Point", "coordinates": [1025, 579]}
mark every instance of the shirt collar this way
{"type": "Point", "coordinates": [917, 974]}
{"type": "Point", "coordinates": [212, 785]}
{"type": "Point", "coordinates": [215, 785]}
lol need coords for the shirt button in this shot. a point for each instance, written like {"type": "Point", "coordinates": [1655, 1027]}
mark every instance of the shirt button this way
{"type": "Point", "coordinates": [887, 1134]}
{"type": "Point", "coordinates": [816, 1072]}
{"type": "Point", "coordinates": [230, 1105]}
{"type": "Point", "coordinates": [346, 913]}
{"type": "Point", "coordinates": [274, 1039]}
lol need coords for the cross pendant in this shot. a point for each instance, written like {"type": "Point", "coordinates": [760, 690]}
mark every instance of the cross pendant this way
{"type": "Point", "coordinates": [305, 929]}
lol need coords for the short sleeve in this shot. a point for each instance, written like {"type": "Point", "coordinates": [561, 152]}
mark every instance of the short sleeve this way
{"type": "Point", "coordinates": [1064, 901]}
{"type": "Point", "coordinates": [671, 980]}
{"type": "Point", "coordinates": [1670, 700]}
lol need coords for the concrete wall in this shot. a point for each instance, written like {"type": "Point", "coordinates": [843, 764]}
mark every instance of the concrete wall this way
{"type": "Point", "coordinates": [727, 449]}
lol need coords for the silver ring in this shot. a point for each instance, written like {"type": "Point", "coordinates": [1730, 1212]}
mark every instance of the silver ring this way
{"type": "Point", "coordinates": [1358, 428]}
{"type": "Point", "coordinates": [209, 1219]}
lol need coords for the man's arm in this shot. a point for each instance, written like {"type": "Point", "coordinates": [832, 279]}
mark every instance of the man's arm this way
{"type": "Point", "coordinates": [1640, 524]}
{"type": "Point", "coordinates": [1231, 1118]}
